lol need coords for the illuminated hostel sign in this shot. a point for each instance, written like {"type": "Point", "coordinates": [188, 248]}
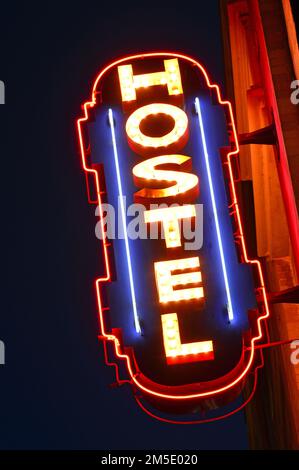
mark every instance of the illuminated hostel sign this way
{"type": "Point", "coordinates": [178, 316]}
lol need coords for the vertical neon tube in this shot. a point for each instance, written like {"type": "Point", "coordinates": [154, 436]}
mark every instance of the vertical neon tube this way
{"type": "Point", "coordinates": [124, 222]}
{"type": "Point", "coordinates": [213, 200]}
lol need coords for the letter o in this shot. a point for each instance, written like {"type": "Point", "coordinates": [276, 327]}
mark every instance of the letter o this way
{"type": "Point", "coordinates": [142, 143]}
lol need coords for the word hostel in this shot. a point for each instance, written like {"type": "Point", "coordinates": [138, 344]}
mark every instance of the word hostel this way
{"type": "Point", "coordinates": [158, 131]}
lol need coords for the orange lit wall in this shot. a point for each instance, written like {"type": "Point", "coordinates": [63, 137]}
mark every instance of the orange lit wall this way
{"type": "Point", "coordinates": [258, 78]}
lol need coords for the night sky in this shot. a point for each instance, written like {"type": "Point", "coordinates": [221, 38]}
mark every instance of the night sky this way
{"type": "Point", "coordinates": [54, 388]}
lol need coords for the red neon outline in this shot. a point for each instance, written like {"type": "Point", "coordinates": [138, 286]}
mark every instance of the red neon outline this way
{"type": "Point", "coordinates": [107, 277]}
{"type": "Point", "coordinates": [207, 420]}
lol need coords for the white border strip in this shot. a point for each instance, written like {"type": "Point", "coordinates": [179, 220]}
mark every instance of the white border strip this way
{"type": "Point", "coordinates": [124, 222]}
{"type": "Point", "coordinates": [221, 251]}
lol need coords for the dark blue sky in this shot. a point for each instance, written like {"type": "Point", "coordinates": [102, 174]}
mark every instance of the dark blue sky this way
{"type": "Point", "coordinates": [54, 388]}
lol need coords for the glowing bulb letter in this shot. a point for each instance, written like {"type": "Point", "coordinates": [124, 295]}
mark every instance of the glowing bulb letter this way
{"type": "Point", "coordinates": [176, 351]}
{"type": "Point", "coordinates": [166, 281]}
{"type": "Point", "coordinates": [176, 182]}
{"type": "Point", "coordinates": [169, 217]}
{"type": "Point", "coordinates": [170, 77]}
{"type": "Point", "coordinates": [179, 130]}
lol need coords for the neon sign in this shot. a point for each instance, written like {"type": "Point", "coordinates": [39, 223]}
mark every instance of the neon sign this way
{"type": "Point", "coordinates": [183, 322]}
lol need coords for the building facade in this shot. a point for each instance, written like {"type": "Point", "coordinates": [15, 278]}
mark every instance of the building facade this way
{"type": "Point", "coordinates": [262, 63]}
